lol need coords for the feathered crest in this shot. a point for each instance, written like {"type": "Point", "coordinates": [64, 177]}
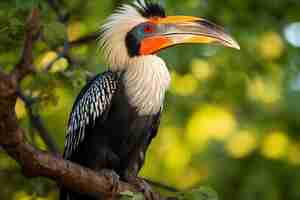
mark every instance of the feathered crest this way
{"type": "Point", "coordinates": [149, 8]}
{"type": "Point", "coordinates": [114, 30]}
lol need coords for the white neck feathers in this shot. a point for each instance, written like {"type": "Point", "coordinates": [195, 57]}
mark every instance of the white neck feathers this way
{"type": "Point", "coordinates": [146, 78]}
{"type": "Point", "coordinates": [113, 36]}
{"type": "Point", "coordinates": [146, 81]}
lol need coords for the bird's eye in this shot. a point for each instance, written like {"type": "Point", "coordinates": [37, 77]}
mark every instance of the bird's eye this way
{"type": "Point", "coordinates": [148, 29]}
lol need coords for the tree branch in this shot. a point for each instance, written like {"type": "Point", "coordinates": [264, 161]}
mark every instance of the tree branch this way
{"type": "Point", "coordinates": [24, 66]}
{"type": "Point", "coordinates": [37, 163]}
{"type": "Point", "coordinates": [33, 161]}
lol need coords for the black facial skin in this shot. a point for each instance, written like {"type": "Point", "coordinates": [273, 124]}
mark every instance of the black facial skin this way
{"type": "Point", "coordinates": [132, 44]}
{"type": "Point", "coordinates": [136, 35]}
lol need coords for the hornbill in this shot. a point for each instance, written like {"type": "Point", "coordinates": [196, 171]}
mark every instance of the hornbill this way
{"type": "Point", "coordinates": [117, 113]}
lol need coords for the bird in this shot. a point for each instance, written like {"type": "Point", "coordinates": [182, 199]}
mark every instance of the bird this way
{"type": "Point", "coordinates": [117, 113]}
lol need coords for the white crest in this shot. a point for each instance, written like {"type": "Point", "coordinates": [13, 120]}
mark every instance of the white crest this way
{"type": "Point", "coordinates": [114, 30]}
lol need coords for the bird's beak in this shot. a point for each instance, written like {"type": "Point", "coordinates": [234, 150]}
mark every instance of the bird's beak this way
{"type": "Point", "coordinates": [174, 30]}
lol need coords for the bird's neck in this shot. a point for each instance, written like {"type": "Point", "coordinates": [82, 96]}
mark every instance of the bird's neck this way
{"type": "Point", "coordinates": [146, 81]}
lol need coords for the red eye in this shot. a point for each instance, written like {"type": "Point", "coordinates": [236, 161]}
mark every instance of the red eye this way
{"type": "Point", "coordinates": [148, 29]}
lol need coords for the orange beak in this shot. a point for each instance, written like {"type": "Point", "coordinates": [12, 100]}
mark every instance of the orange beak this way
{"type": "Point", "coordinates": [174, 30]}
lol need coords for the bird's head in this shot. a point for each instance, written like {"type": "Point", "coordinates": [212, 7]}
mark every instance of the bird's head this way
{"type": "Point", "coordinates": [143, 28]}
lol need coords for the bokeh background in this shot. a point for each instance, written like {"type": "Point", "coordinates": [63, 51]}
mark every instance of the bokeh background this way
{"type": "Point", "coordinates": [231, 120]}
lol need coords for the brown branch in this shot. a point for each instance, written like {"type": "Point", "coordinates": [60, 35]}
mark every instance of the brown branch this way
{"type": "Point", "coordinates": [38, 163]}
{"type": "Point", "coordinates": [34, 162]}
{"type": "Point", "coordinates": [24, 66]}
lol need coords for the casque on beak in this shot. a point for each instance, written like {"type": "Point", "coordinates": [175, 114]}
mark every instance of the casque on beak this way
{"type": "Point", "coordinates": [174, 30]}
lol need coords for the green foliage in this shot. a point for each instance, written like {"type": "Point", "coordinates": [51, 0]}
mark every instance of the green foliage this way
{"type": "Point", "coordinates": [12, 26]}
{"type": "Point", "coordinates": [27, 4]}
{"type": "Point", "coordinates": [202, 193]}
{"type": "Point", "coordinates": [231, 119]}
{"type": "Point", "coordinates": [54, 34]}
{"type": "Point", "coordinates": [132, 196]}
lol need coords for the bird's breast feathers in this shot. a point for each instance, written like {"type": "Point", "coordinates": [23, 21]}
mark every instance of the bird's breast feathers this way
{"type": "Point", "coordinates": [146, 81]}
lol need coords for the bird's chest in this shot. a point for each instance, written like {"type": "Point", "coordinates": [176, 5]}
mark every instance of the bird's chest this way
{"type": "Point", "coordinates": [126, 114]}
{"type": "Point", "coordinates": [145, 87]}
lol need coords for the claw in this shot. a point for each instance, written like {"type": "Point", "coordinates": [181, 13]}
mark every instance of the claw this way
{"type": "Point", "coordinates": [113, 177]}
{"type": "Point", "coordinates": [144, 187]}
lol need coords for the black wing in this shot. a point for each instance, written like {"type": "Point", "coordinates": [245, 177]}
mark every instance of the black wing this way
{"type": "Point", "coordinates": [91, 104]}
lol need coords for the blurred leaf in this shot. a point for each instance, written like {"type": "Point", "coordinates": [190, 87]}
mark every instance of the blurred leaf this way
{"type": "Point", "coordinates": [221, 111]}
{"type": "Point", "coordinates": [202, 193]}
{"type": "Point", "coordinates": [127, 195]}
{"type": "Point", "coordinates": [54, 34]}
{"type": "Point", "coordinates": [26, 4]}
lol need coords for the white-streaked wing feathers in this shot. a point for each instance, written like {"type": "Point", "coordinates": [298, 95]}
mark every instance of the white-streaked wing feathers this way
{"type": "Point", "coordinates": [91, 103]}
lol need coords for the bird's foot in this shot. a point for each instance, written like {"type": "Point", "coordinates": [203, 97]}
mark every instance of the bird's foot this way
{"type": "Point", "coordinates": [143, 187]}
{"type": "Point", "coordinates": [113, 178]}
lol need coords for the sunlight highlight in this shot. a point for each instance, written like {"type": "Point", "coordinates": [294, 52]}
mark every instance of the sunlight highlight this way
{"type": "Point", "coordinates": [201, 69]}
{"type": "Point", "coordinates": [47, 58]}
{"type": "Point", "coordinates": [185, 85]}
{"type": "Point", "coordinates": [270, 46]}
{"type": "Point", "coordinates": [294, 154]}
{"type": "Point", "coordinates": [192, 177]}
{"type": "Point", "coordinates": [76, 30]}
{"type": "Point", "coordinates": [275, 145]}
{"type": "Point", "coordinates": [172, 149]}
{"type": "Point", "coordinates": [22, 195]}
{"type": "Point", "coordinates": [210, 122]}
{"type": "Point", "coordinates": [241, 144]}
{"type": "Point", "coordinates": [20, 109]}
{"type": "Point", "coordinates": [292, 32]}
{"type": "Point", "coordinates": [264, 91]}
